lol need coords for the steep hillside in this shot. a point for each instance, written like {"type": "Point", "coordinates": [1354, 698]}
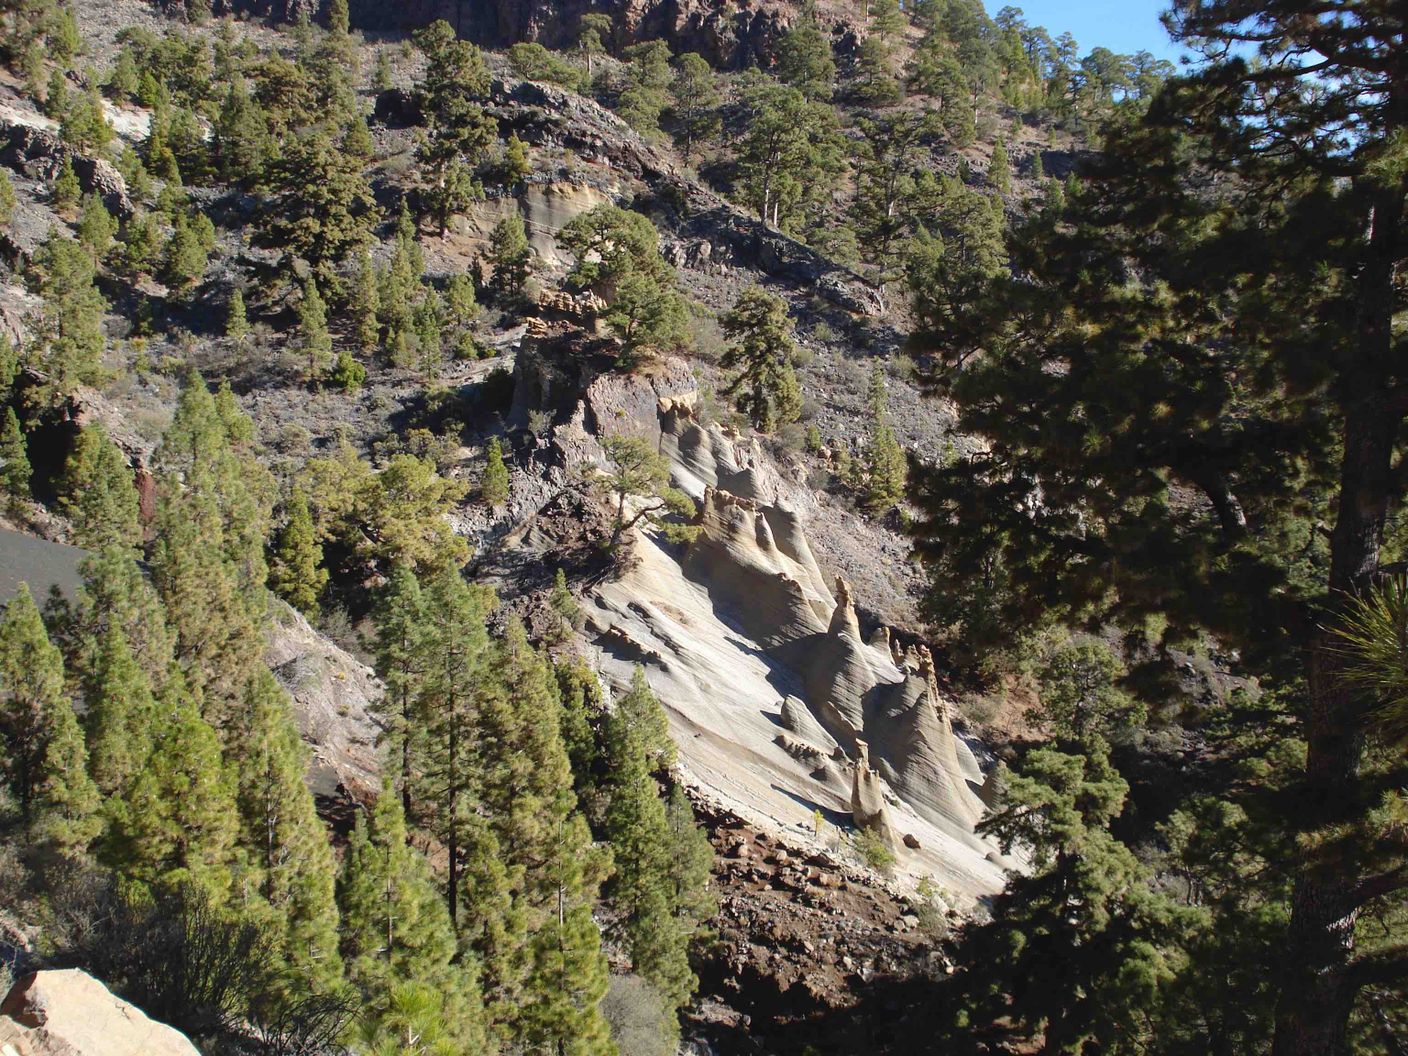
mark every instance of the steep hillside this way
{"type": "Point", "coordinates": [475, 488]}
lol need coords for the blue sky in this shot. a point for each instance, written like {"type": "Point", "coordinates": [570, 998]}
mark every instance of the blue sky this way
{"type": "Point", "coordinates": [1120, 25]}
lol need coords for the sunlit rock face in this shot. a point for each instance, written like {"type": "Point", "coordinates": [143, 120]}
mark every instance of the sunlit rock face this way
{"type": "Point", "coordinates": [781, 705]}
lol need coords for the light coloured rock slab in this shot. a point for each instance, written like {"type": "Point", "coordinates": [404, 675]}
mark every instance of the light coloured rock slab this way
{"type": "Point", "coordinates": [69, 1013]}
{"type": "Point", "coordinates": [722, 694]}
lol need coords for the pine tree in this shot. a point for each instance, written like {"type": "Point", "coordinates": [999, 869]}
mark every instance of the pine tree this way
{"type": "Point", "coordinates": [313, 330]}
{"type": "Point", "coordinates": [323, 209]}
{"type": "Point", "coordinates": [593, 31]}
{"type": "Point", "coordinates": [209, 558]}
{"type": "Point", "coordinates": [515, 166]}
{"type": "Point", "coordinates": [184, 258]}
{"type": "Point", "coordinates": [582, 714]}
{"type": "Point", "coordinates": [99, 495]}
{"type": "Point", "coordinates": [1081, 945]}
{"type": "Point", "coordinates": [63, 36]}
{"type": "Point", "coordinates": [887, 20]}
{"type": "Point", "coordinates": [7, 199]}
{"type": "Point", "coordinates": [568, 974]}
{"type": "Point", "coordinates": [451, 696]}
{"type": "Point", "coordinates": [1080, 696]}
{"type": "Point", "coordinates": [1000, 169]}
{"type": "Point", "coordinates": [493, 482]}
{"type": "Point", "coordinates": [31, 696]}
{"type": "Point", "coordinates": [140, 243]}
{"type": "Point", "coordinates": [180, 821]}
{"type": "Point", "coordinates": [804, 58]}
{"type": "Point", "coordinates": [366, 305]}
{"type": "Point", "coordinates": [121, 714]}
{"type": "Point", "coordinates": [67, 805]}
{"type": "Point", "coordinates": [357, 140]}
{"type": "Point", "coordinates": [15, 472]}
{"type": "Point", "coordinates": [287, 845]}
{"type": "Point", "coordinates": [96, 227]}
{"type": "Point", "coordinates": [527, 787]}
{"type": "Point", "coordinates": [66, 191]}
{"type": "Point", "coordinates": [296, 571]}
{"type": "Point", "coordinates": [116, 594]}
{"type": "Point", "coordinates": [647, 71]}
{"type": "Point", "coordinates": [420, 1018]}
{"type": "Point", "coordinates": [790, 152]}
{"type": "Point", "coordinates": [640, 711]}
{"type": "Point", "coordinates": [347, 374]}
{"type": "Point", "coordinates": [638, 828]}
{"type": "Point", "coordinates": [68, 340]}
{"type": "Point", "coordinates": [695, 105]}
{"type": "Point", "coordinates": [236, 321]}
{"type": "Point", "coordinates": [765, 386]}
{"type": "Point", "coordinates": [491, 925]}
{"type": "Point", "coordinates": [959, 249]}
{"type": "Point", "coordinates": [402, 652]}
{"type": "Point", "coordinates": [84, 125]}
{"type": "Point", "coordinates": [1155, 217]}
{"type": "Point", "coordinates": [9, 364]}
{"type": "Point", "coordinates": [510, 256]}
{"type": "Point", "coordinates": [875, 84]}
{"type": "Point", "coordinates": [125, 78]}
{"type": "Point", "coordinates": [691, 865]}
{"type": "Point", "coordinates": [462, 309]}
{"type": "Point", "coordinates": [889, 154]}
{"type": "Point", "coordinates": [383, 76]}
{"type": "Point", "coordinates": [564, 607]}
{"type": "Point", "coordinates": [885, 463]}
{"type": "Point", "coordinates": [395, 925]}
{"type": "Point", "coordinates": [458, 132]}
{"type": "Point", "coordinates": [339, 21]}
{"type": "Point", "coordinates": [427, 323]}
{"type": "Point", "coordinates": [56, 95]}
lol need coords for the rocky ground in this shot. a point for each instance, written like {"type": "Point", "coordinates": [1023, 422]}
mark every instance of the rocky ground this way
{"type": "Point", "coordinates": [808, 950]}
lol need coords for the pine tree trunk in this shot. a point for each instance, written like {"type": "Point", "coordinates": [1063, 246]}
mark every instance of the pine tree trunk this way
{"type": "Point", "coordinates": [452, 844]}
{"type": "Point", "coordinates": [1317, 990]}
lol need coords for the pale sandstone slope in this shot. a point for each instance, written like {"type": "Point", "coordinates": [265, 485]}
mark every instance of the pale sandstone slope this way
{"type": "Point", "coordinates": [780, 708]}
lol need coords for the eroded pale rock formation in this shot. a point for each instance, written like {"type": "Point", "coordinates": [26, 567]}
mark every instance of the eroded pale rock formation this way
{"type": "Point", "coordinates": [781, 705]}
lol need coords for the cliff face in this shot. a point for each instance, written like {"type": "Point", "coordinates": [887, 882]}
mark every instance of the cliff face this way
{"type": "Point", "coordinates": [728, 34]}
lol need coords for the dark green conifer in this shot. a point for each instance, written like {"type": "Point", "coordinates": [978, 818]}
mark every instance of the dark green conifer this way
{"type": "Point", "coordinates": [66, 190]}
{"type": "Point", "coordinates": [15, 471]}
{"type": "Point", "coordinates": [96, 227]}
{"type": "Point", "coordinates": [67, 817]}
{"type": "Point", "coordinates": [180, 821]}
{"type": "Point", "coordinates": [764, 386]}
{"type": "Point", "coordinates": [121, 714]}
{"type": "Point", "coordinates": [296, 571]}
{"type": "Point", "coordinates": [395, 925]}
{"type": "Point", "coordinates": [366, 305]}
{"type": "Point", "coordinates": [7, 199]}
{"type": "Point", "coordinates": [313, 331]}
{"type": "Point", "coordinates": [31, 696]}
{"type": "Point", "coordinates": [287, 845]}
{"type": "Point", "coordinates": [236, 321]}
{"type": "Point", "coordinates": [402, 651]}
{"type": "Point", "coordinates": [98, 493]}
{"type": "Point", "coordinates": [510, 256]}
{"type": "Point", "coordinates": [493, 482]}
